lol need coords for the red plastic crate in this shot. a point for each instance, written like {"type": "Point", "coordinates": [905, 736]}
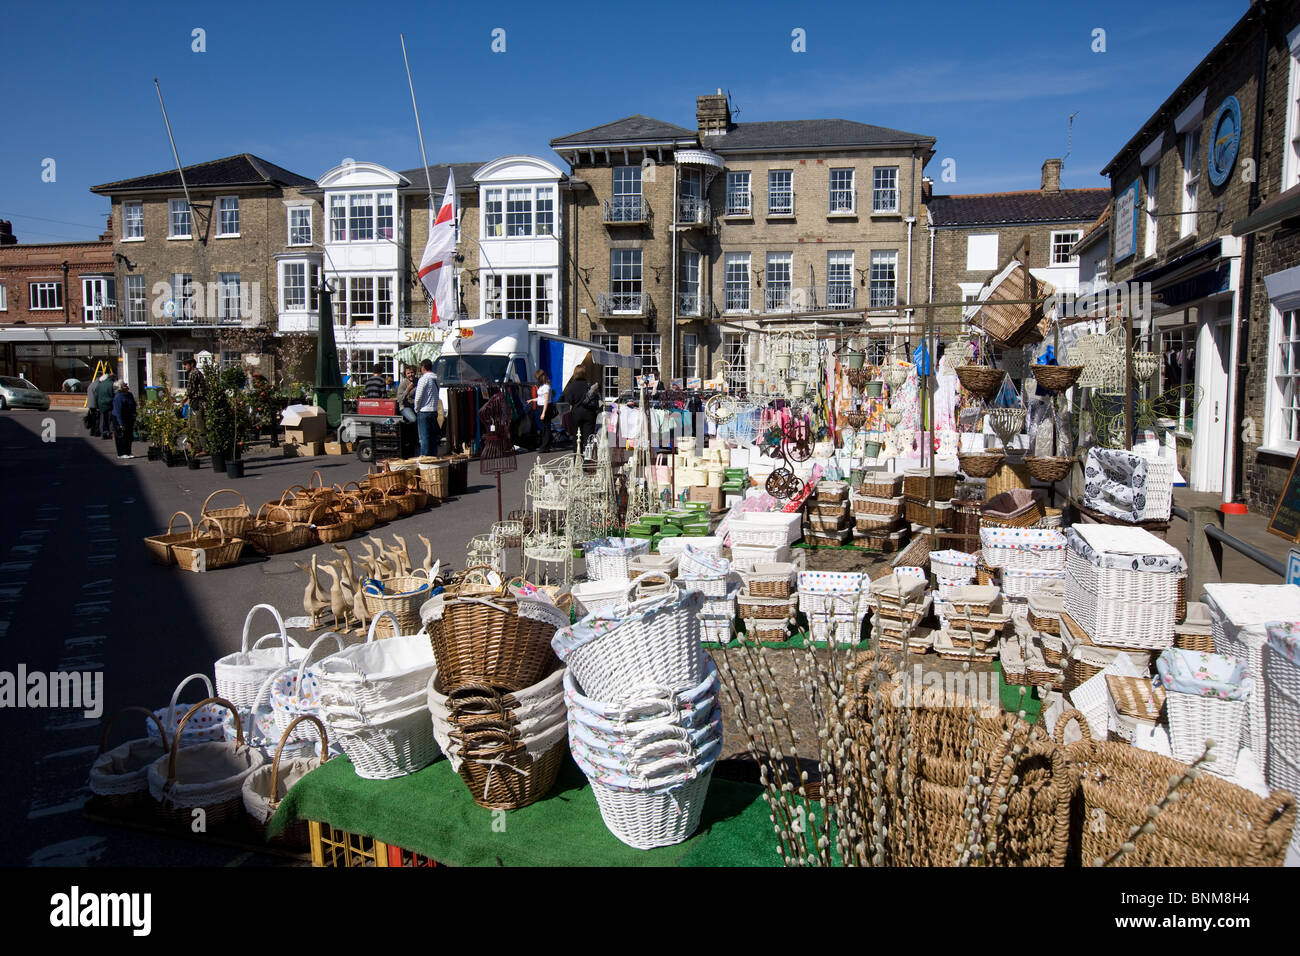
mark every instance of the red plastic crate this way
{"type": "Point", "coordinates": [376, 406]}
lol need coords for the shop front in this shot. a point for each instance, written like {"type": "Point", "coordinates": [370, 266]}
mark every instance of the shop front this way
{"type": "Point", "coordinates": [57, 360]}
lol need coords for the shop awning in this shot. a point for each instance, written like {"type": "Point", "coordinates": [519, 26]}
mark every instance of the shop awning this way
{"type": "Point", "coordinates": [699, 157]}
{"type": "Point", "coordinates": [59, 334]}
{"type": "Point", "coordinates": [1283, 206]}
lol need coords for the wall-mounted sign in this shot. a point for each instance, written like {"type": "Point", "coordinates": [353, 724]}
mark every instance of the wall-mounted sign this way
{"type": "Point", "coordinates": [1225, 140]}
{"type": "Point", "coordinates": [1126, 222]}
{"type": "Point", "coordinates": [31, 351]}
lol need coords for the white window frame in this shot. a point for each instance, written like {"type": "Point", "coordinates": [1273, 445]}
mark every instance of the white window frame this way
{"type": "Point", "coordinates": [175, 208]}
{"type": "Point", "coordinates": [1191, 182]}
{"type": "Point", "coordinates": [181, 286]}
{"type": "Point", "coordinates": [129, 220]}
{"type": "Point", "coordinates": [609, 373]}
{"type": "Point", "coordinates": [1291, 146]}
{"type": "Point", "coordinates": [286, 285]}
{"type": "Point", "coordinates": [222, 232]}
{"type": "Point", "coordinates": [4, 298]}
{"type": "Point", "coordinates": [540, 296]}
{"type": "Point", "coordinates": [635, 261]}
{"type": "Point", "coordinates": [45, 295]}
{"type": "Point", "coordinates": [839, 279]}
{"type": "Point", "coordinates": [289, 225]}
{"type": "Point", "coordinates": [687, 286]}
{"type": "Point", "coordinates": [690, 356]}
{"type": "Point", "coordinates": [97, 294]}
{"type": "Point", "coordinates": [1057, 246]}
{"type": "Point", "coordinates": [648, 345]}
{"type": "Point", "coordinates": [773, 301]}
{"type": "Point", "coordinates": [735, 192]}
{"type": "Point", "coordinates": [1151, 235]}
{"type": "Point", "coordinates": [137, 301]}
{"type": "Point", "coordinates": [881, 193]}
{"type": "Point", "coordinates": [1275, 433]}
{"type": "Point", "coordinates": [773, 209]}
{"type": "Point", "coordinates": [842, 200]}
{"type": "Point", "coordinates": [229, 291]}
{"type": "Point", "coordinates": [180, 375]}
{"type": "Point", "coordinates": [626, 204]}
{"type": "Point", "coordinates": [336, 217]}
{"type": "Point", "coordinates": [376, 198]}
{"type": "Point", "coordinates": [731, 289]}
{"type": "Point", "coordinates": [879, 258]}
{"type": "Point", "coordinates": [735, 362]}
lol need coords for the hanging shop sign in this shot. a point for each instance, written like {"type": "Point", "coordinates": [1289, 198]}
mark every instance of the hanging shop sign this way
{"type": "Point", "coordinates": [1225, 140]}
{"type": "Point", "coordinates": [1126, 222]}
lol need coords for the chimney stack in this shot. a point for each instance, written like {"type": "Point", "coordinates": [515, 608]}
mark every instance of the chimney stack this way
{"type": "Point", "coordinates": [1051, 176]}
{"type": "Point", "coordinates": [7, 237]}
{"type": "Point", "coordinates": [712, 114]}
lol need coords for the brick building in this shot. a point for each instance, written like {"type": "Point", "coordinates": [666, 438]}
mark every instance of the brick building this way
{"type": "Point", "coordinates": [1187, 192]}
{"type": "Point", "coordinates": [203, 277]}
{"type": "Point", "coordinates": [54, 298]}
{"type": "Point", "coordinates": [975, 235]}
{"type": "Point", "coordinates": [682, 238]}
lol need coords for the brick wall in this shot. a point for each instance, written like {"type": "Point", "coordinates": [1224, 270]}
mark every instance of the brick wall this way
{"type": "Point", "coordinates": [950, 246]}
{"type": "Point", "coordinates": [22, 264]}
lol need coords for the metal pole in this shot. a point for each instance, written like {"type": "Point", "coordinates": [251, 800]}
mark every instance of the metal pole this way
{"type": "Point", "coordinates": [1128, 380]}
{"type": "Point", "coordinates": [179, 169]}
{"type": "Point", "coordinates": [419, 132]}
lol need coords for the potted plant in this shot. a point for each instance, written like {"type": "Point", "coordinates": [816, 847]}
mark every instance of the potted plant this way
{"type": "Point", "coordinates": [228, 417]}
{"type": "Point", "coordinates": [172, 431]}
{"type": "Point", "coordinates": [193, 438]}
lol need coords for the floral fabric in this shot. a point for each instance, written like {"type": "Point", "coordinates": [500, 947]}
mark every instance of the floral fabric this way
{"type": "Point", "coordinates": [605, 621]}
{"type": "Point", "coordinates": [1023, 539]}
{"type": "Point", "coordinates": [1284, 637]}
{"type": "Point", "coordinates": [1114, 483]}
{"type": "Point", "coordinates": [1124, 549]}
{"type": "Point", "coordinates": [1204, 675]}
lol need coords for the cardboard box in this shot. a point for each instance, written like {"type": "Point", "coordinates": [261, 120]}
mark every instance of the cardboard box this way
{"type": "Point", "coordinates": [304, 449]}
{"type": "Point", "coordinates": [338, 448]}
{"type": "Point", "coordinates": [712, 496]}
{"type": "Point", "coordinates": [304, 423]}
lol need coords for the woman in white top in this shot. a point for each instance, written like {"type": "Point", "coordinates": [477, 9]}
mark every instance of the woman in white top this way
{"type": "Point", "coordinates": [545, 402]}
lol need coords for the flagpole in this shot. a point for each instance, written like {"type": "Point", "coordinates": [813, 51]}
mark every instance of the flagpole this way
{"type": "Point", "coordinates": [419, 132]}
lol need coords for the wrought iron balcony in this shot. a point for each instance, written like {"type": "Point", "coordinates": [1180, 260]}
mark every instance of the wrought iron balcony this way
{"type": "Point", "coordinates": [629, 305]}
{"type": "Point", "coordinates": [142, 316]}
{"type": "Point", "coordinates": [736, 300]}
{"type": "Point", "coordinates": [841, 297]}
{"type": "Point", "coordinates": [692, 304]}
{"type": "Point", "coordinates": [693, 211]}
{"type": "Point", "coordinates": [780, 202]}
{"type": "Point", "coordinates": [778, 299]}
{"type": "Point", "coordinates": [626, 211]}
{"type": "Point", "coordinates": [843, 202]}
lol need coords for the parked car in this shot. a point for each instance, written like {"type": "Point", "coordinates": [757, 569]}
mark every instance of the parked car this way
{"type": "Point", "coordinates": [20, 393]}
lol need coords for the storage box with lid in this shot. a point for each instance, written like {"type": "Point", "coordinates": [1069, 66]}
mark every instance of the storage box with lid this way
{"type": "Point", "coordinates": [1024, 549]}
{"type": "Point", "coordinates": [1121, 585]}
{"type": "Point", "coordinates": [1239, 615]}
{"type": "Point", "coordinates": [764, 529]}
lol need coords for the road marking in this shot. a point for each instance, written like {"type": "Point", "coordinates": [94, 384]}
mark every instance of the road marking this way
{"type": "Point", "coordinates": [68, 807]}
{"type": "Point", "coordinates": [82, 851]}
{"type": "Point", "coordinates": [74, 752]}
{"type": "Point", "coordinates": [15, 566]}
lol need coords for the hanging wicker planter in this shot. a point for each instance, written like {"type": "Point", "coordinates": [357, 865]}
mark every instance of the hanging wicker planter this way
{"type": "Point", "coordinates": [1144, 365]}
{"type": "Point", "coordinates": [1007, 422]}
{"type": "Point", "coordinates": [981, 464]}
{"type": "Point", "coordinates": [859, 377]}
{"type": "Point", "coordinates": [1056, 378]}
{"type": "Point", "coordinates": [980, 380]}
{"type": "Point", "coordinates": [896, 375]}
{"type": "Point", "coordinates": [1047, 469]}
{"type": "Point", "coordinates": [855, 419]}
{"type": "Point", "coordinates": [893, 417]}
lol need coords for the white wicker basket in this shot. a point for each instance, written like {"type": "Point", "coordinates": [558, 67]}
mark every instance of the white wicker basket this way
{"type": "Point", "coordinates": [607, 558]}
{"type": "Point", "coordinates": [1282, 707]}
{"type": "Point", "coordinates": [1019, 583]}
{"type": "Point", "coordinates": [953, 565]}
{"type": "Point", "coordinates": [241, 674]}
{"type": "Point", "coordinates": [372, 675]}
{"type": "Point", "coordinates": [711, 586]}
{"type": "Point", "coordinates": [646, 819]}
{"type": "Point", "coordinates": [708, 543]}
{"type": "Point", "coordinates": [1023, 549]}
{"type": "Point", "coordinates": [748, 557]}
{"type": "Point", "coordinates": [390, 746]}
{"type": "Point", "coordinates": [1121, 608]}
{"type": "Point", "coordinates": [766, 529]}
{"type": "Point", "coordinates": [1194, 719]}
{"type": "Point", "coordinates": [593, 596]}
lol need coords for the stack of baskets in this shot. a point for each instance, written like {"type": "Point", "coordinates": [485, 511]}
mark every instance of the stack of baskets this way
{"type": "Point", "coordinates": [372, 697]}
{"type": "Point", "coordinates": [1122, 585]}
{"type": "Point", "coordinates": [1026, 558]}
{"type": "Point", "coordinates": [762, 537]}
{"type": "Point", "coordinates": [952, 569]}
{"type": "Point", "coordinates": [501, 642]}
{"type": "Point", "coordinates": [711, 575]}
{"type": "Point", "coordinates": [643, 716]}
{"type": "Point", "coordinates": [833, 603]}
{"type": "Point", "coordinates": [877, 519]}
{"type": "Point", "coordinates": [828, 515]}
{"type": "Point", "coordinates": [767, 602]}
{"type": "Point", "coordinates": [927, 502]}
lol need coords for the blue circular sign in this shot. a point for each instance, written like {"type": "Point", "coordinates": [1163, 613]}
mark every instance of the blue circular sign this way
{"type": "Point", "coordinates": [1225, 140]}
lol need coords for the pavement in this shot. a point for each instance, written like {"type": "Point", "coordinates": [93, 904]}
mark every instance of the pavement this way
{"type": "Point", "coordinates": [1250, 528]}
{"type": "Point", "coordinates": [79, 593]}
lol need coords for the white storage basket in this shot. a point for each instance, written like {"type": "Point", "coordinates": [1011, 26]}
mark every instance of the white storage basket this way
{"type": "Point", "coordinates": [374, 674]}
{"type": "Point", "coordinates": [953, 565]}
{"type": "Point", "coordinates": [1282, 707]}
{"type": "Point", "coordinates": [241, 674]}
{"type": "Point", "coordinates": [593, 596]}
{"type": "Point", "coordinates": [708, 543]}
{"type": "Point", "coordinates": [1019, 584]}
{"type": "Point", "coordinates": [1193, 720]}
{"type": "Point", "coordinates": [1023, 549]}
{"type": "Point", "coordinates": [608, 557]}
{"type": "Point", "coordinates": [747, 557]}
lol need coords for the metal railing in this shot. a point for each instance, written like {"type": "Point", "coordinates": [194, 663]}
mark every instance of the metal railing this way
{"type": "Point", "coordinates": [843, 201]}
{"type": "Point", "coordinates": [736, 300]}
{"type": "Point", "coordinates": [780, 202]}
{"type": "Point", "coordinates": [739, 203]}
{"type": "Point", "coordinates": [693, 211]}
{"type": "Point", "coordinates": [626, 210]}
{"type": "Point", "coordinates": [1206, 540]}
{"type": "Point", "coordinates": [693, 304]}
{"type": "Point", "coordinates": [629, 304]}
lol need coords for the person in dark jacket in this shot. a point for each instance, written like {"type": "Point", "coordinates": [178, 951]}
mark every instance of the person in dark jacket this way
{"type": "Point", "coordinates": [376, 384]}
{"type": "Point", "coordinates": [583, 398]}
{"type": "Point", "coordinates": [104, 402]}
{"type": "Point", "coordinates": [124, 420]}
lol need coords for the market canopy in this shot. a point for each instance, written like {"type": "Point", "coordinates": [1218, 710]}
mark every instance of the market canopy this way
{"type": "Point", "coordinates": [417, 352]}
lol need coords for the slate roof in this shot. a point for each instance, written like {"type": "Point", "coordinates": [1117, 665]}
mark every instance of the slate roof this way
{"type": "Point", "coordinates": [438, 173]}
{"type": "Point", "coordinates": [629, 129]}
{"type": "Point", "coordinates": [784, 134]}
{"type": "Point", "coordinates": [243, 170]}
{"type": "Point", "coordinates": [1068, 205]}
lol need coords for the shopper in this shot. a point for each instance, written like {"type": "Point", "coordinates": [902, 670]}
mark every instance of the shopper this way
{"type": "Point", "coordinates": [583, 398]}
{"type": "Point", "coordinates": [124, 420]}
{"type": "Point", "coordinates": [426, 409]}
{"type": "Point", "coordinates": [406, 395]}
{"type": "Point", "coordinates": [104, 403]}
{"type": "Point", "coordinates": [196, 395]}
{"type": "Point", "coordinates": [376, 384]}
{"type": "Point", "coordinates": [545, 402]}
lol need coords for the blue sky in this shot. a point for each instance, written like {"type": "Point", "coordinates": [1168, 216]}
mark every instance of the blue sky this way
{"type": "Point", "coordinates": [306, 84]}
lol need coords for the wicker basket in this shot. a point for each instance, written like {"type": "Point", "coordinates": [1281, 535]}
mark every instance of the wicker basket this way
{"type": "Point", "coordinates": [385, 481]}
{"type": "Point", "coordinates": [207, 552]}
{"type": "Point", "coordinates": [354, 509]}
{"type": "Point", "coordinates": [885, 540]}
{"type": "Point", "coordinates": [980, 380]}
{"type": "Point", "coordinates": [1009, 476]}
{"type": "Point", "coordinates": [486, 639]}
{"type": "Point", "coordinates": [891, 508]}
{"type": "Point", "coordinates": [966, 517]}
{"type": "Point", "coordinates": [1012, 509]}
{"type": "Point", "coordinates": [880, 484]}
{"type": "Point", "coordinates": [160, 546]}
{"type": "Point", "coordinates": [435, 477]}
{"type": "Point", "coordinates": [404, 604]}
{"type": "Point", "coordinates": [1056, 378]}
{"type": "Point", "coordinates": [499, 771]}
{"type": "Point", "coordinates": [1013, 325]}
{"type": "Point", "coordinates": [234, 520]}
{"type": "Point", "coordinates": [828, 523]}
{"type": "Point", "coordinates": [981, 464]}
{"type": "Point", "coordinates": [916, 485]}
{"type": "Point", "coordinates": [403, 499]}
{"type": "Point", "coordinates": [775, 580]}
{"type": "Point", "coordinates": [1048, 469]}
{"type": "Point", "coordinates": [831, 492]}
{"type": "Point", "coordinates": [765, 608]}
{"type": "Point", "coordinates": [298, 507]}
{"type": "Point", "coordinates": [1216, 823]}
{"type": "Point", "coordinates": [271, 532]}
{"type": "Point", "coordinates": [920, 512]}
{"type": "Point", "coordinates": [328, 526]}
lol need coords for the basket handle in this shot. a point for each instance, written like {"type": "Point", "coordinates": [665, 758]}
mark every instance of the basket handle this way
{"type": "Point", "coordinates": [208, 519]}
{"type": "Point", "coordinates": [187, 518]}
{"type": "Point", "coordinates": [306, 658]}
{"type": "Point", "coordinates": [320, 482]}
{"type": "Point", "coordinates": [284, 737]}
{"type": "Point", "coordinates": [311, 518]}
{"type": "Point", "coordinates": [279, 622]}
{"type": "Point", "coordinates": [171, 707]}
{"type": "Point", "coordinates": [176, 741]}
{"type": "Point", "coordinates": [397, 629]}
{"type": "Point", "coordinates": [1064, 721]}
{"type": "Point", "coordinates": [108, 724]}
{"type": "Point", "coordinates": [222, 491]}
{"type": "Point", "coordinates": [289, 493]}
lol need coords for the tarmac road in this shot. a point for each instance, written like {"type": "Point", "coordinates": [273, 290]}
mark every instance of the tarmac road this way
{"type": "Point", "coordinates": [79, 593]}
